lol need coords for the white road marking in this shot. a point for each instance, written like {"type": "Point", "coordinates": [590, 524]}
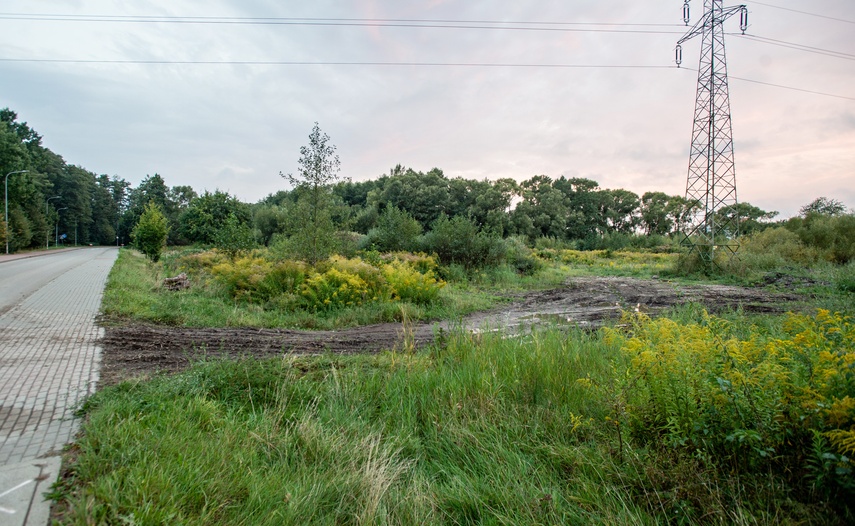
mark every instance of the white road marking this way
{"type": "Point", "coordinates": [8, 491]}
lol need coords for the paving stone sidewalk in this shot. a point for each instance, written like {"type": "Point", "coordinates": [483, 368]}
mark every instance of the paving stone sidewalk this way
{"type": "Point", "coordinates": [49, 361]}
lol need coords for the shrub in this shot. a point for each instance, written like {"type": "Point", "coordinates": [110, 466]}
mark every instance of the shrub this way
{"type": "Point", "coordinates": [234, 237]}
{"type": "Point", "coordinates": [196, 262]}
{"type": "Point", "coordinates": [548, 242]}
{"type": "Point", "coordinates": [832, 236]}
{"type": "Point", "coordinates": [349, 243]}
{"type": "Point", "coordinates": [243, 277]}
{"type": "Point", "coordinates": [149, 234]}
{"type": "Point", "coordinates": [284, 277]}
{"type": "Point", "coordinates": [521, 258]}
{"type": "Point", "coordinates": [334, 289]}
{"type": "Point", "coordinates": [748, 401]}
{"type": "Point", "coordinates": [842, 249]}
{"type": "Point", "coordinates": [454, 273]}
{"type": "Point", "coordinates": [846, 278]}
{"type": "Point", "coordinates": [419, 261]}
{"type": "Point", "coordinates": [779, 243]}
{"type": "Point", "coordinates": [396, 230]}
{"type": "Point", "coordinates": [372, 276]}
{"type": "Point", "coordinates": [409, 284]}
{"type": "Point", "coordinates": [459, 240]}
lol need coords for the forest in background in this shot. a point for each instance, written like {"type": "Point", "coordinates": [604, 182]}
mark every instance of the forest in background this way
{"type": "Point", "coordinates": [54, 201]}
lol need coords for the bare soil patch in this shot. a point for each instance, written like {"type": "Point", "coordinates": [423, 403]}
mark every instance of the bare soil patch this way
{"type": "Point", "coordinates": [142, 349]}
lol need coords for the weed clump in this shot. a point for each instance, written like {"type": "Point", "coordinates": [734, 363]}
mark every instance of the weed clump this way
{"type": "Point", "coordinates": [335, 283]}
{"type": "Point", "coordinates": [785, 403]}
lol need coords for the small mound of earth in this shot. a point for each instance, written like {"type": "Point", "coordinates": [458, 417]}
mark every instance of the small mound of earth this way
{"type": "Point", "coordinates": [144, 349]}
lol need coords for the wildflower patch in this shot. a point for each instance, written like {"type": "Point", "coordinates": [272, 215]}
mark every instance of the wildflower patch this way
{"type": "Point", "coordinates": [750, 400]}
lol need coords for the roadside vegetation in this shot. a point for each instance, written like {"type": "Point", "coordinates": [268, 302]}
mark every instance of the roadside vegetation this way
{"type": "Point", "coordinates": [260, 289]}
{"type": "Point", "coordinates": [689, 418]}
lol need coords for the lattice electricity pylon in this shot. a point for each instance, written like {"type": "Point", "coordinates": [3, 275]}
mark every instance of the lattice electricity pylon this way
{"type": "Point", "coordinates": [712, 223]}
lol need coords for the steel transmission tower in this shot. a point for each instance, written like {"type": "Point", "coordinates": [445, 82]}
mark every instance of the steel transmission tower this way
{"type": "Point", "coordinates": [712, 224]}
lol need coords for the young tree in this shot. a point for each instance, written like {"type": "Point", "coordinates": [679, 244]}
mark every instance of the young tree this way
{"type": "Point", "coordinates": [149, 234]}
{"type": "Point", "coordinates": [317, 170]}
{"type": "Point", "coordinates": [235, 237]}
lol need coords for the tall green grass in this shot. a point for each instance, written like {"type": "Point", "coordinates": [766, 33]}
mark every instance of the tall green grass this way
{"type": "Point", "coordinates": [479, 429]}
{"type": "Point", "coordinates": [134, 292]}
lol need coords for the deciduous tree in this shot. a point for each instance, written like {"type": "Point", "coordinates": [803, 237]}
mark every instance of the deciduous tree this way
{"type": "Point", "coordinates": [149, 234]}
{"type": "Point", "coordinates": [317, 169]}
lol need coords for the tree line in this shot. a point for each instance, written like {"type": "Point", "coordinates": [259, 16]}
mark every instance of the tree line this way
{"type": "Point", "coordinates": [48, 197]}
{"type": "Point", "coordinates": [390, 212]}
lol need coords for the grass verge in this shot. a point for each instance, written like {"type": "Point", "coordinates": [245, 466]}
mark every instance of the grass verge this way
{"type": "Point", "coordinates": [554, 427]}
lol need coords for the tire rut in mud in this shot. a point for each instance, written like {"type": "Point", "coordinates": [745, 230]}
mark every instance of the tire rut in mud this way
{"type": "Point", "coordinates": [134, 350]}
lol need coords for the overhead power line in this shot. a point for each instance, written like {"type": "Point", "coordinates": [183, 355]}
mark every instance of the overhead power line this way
{"type": "Point", "coordinates": [300, 20]}
{"type": "Point", "coordinates": [336, 63]}
{"type": "Point", "coordinates": [572, 27]}
{"type": "Point", "coordinates": [389, 64]}
{"type": "Point", "coordinates": [804, 12]}
{"type": "Point", "coordinates": [782, 86]}
{"type": "Point", "coordinates": [824, 94]}
{"type": "Point", "coordinates": [236, 19]}
{"type": "Point", "coordinates": [793, 45]}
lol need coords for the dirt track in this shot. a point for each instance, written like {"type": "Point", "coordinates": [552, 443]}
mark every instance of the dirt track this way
{"type": "Point", "coordinates": [135, 350]}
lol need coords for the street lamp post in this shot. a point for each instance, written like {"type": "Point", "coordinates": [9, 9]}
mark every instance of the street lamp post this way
{"type": "Point", "coordinates": [47, 232]}
{"type": "Point", "coordinates": [56, 234]}
{"type": "Point", "coordinates": [9, 230]}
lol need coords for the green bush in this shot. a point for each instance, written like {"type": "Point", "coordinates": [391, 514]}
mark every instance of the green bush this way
{"type": "Point", "coordinates": [149, 234]}
{"type": "Point", "coordinates": [396, 231]}
{"type": "Point", "coordinates": [777, 247]}
{"type": "Point", "coordinates": [243, 277]}
{"type": "Point", "coordinates": [521, 258]}
{"type": "Point", "coordinates": [284, 277]}
{"type": "Point", "coordinates": [234, 237]}
{"type": "Point", "coordinates": [750, 401]}
{"type": "Point", "coordinates": [845, 278]}
{"type": "Point", "coordinates": [459, 240]}
{"type": "Point", "coordinates": [196, 262]}
{"type": "Point", "coordinates": [554, 243]}
{"type": "Point", "coordinates": [419, 261]}
{"type": "Point", "coordinates": [375, 281]}
{"type": "Point", "coordinates": [334, 289]}
{"type": "Point", "coordinates": [833, 237]}
{"type": "Point", "coordinates": [409, 284]}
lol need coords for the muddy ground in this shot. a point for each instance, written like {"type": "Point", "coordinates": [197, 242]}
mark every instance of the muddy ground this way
{"type": "Point", "coordinates": [142, 349]}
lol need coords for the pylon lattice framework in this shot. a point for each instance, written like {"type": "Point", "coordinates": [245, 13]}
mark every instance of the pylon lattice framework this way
{"type": "Point", "coordinates": [712, 222]}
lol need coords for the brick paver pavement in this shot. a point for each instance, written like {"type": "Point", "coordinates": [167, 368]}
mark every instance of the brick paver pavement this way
{"type": "Point", "coordinates": [49, 360]}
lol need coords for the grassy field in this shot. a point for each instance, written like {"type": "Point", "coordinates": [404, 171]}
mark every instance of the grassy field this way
{"type": "Point", "coordinates": [134, 292]}
{"type": "Point", "coordinates": [685, 419]}
{"type": "Point", "coordinates": [554, 427]}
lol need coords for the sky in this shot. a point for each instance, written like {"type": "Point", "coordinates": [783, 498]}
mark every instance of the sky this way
{"type": "Point", "coordinates": [577, 89]}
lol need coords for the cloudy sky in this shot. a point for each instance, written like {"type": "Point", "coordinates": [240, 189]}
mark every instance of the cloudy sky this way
{"type": "Point", "coordinates": [221, 94]}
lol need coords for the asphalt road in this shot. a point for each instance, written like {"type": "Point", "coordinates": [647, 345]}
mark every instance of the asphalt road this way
{"type": "Point", "coordinates": [48, 365]}
{"type": "Point", "coordinates": [21, 278]}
